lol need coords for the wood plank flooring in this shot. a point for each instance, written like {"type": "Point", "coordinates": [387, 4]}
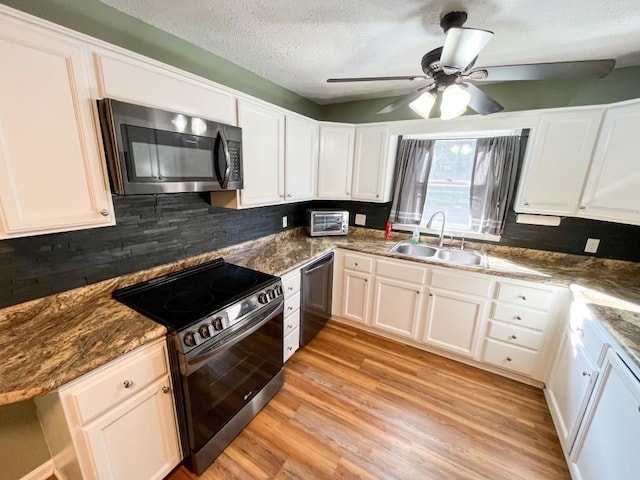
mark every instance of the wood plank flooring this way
{"type": "Point", "coordinates": [355, 405]}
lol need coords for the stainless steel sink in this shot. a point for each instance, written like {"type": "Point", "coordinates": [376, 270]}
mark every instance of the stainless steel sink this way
{"type": "Point", "coordinates": [460, 257]}
{"type": "Point", "coordinates": [440, 255]}
{"type": "Point", "coordinates": [414, 250]}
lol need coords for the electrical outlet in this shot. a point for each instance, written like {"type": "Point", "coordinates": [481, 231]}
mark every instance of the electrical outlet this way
{"type": "Point", "coordinates": [361, 219]}
{"type": "Point", "coordinates": [284, 222]}
{"type": "Point", "coordinates": [592, 245]}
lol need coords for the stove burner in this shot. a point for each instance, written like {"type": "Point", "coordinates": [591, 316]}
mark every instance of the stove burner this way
{"type": "Point", "coordinates": [233, 282]}
{"type": "Point", "coordinates": [188, 301]}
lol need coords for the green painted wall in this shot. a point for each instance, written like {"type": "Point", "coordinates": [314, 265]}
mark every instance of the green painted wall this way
{"type": "Point", "coordinates": [106, 23]}
{"type": "Point", "coordinates": [22, 445]}
{"type": "Point", "coordinates": [621, 84]}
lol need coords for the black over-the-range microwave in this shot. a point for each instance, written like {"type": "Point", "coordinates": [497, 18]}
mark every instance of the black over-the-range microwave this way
{"type": "Point", "coordinates": [155, 151]}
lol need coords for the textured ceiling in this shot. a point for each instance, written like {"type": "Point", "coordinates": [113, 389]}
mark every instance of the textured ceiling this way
{"type": "Point", "coordinates": [298, 44]}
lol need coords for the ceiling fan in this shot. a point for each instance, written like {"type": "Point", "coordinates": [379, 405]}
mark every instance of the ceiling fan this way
{"type": "Point", "coordinates": [448, 70]}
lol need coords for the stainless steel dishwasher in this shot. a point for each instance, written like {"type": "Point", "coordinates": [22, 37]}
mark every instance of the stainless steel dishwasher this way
{"type": "Point", "coordinates": [317, 286]}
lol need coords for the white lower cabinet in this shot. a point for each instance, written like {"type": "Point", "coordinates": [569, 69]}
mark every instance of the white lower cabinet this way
{"type": "Point", "coordinates": [453, 321]}
{"type": "Point", "coordinates": [606, 447]}
{"type": "Point", "coordinates": [117, 422]}
{"type": "Point", "coordinates": [397, 307]}
{"type": "Point", "coordinates": [291, 326]}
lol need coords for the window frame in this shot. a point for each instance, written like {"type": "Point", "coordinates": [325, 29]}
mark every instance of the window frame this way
{"type": "Point", "coordinates": [403, 227]}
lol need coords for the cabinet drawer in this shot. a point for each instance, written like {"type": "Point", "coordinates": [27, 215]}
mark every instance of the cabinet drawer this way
{"type": "Point", "coordinates": [586, 331]}
{"type": "Point", "coordinates": [292, 304]}
{"type": "Point", "coordinates": [510, 357]}
{"type": "Point", "coordinates": [402, 271]}
{"type": "Point", "coordinates": [107, 388]}
{"type": "Point", "coordinates": [525, 295]}
{"type": "Point", "coordinates": [516, 335]}
{"type": "Point", "coordinates": [291, 322]}
{"type": "Point", "coordinates": [520, 316]}
{"type": "Point", "coordinates": [461, 283]}
{"type": "Point", "coordinates": [291, 344]}
{"type": "Point", "coordinates": [291, 283]}
{"type": "Point", "coordinates": [358, 263]}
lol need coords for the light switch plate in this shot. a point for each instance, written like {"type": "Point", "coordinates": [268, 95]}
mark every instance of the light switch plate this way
{"type": "Point", "coordinates": [284, 222]}
{"type": "Point", "coordinates": [592, 245]}
{"type": "Point", "coordinates": [361, 219]}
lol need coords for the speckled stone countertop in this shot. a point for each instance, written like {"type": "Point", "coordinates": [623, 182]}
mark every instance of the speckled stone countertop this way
{"type": "Point", "coordinates": [50, 341]}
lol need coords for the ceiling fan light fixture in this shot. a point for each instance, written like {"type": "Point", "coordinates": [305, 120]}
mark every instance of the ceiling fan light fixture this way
{"type": "Point", "coordinates": [455, 100]}
{"type": "Point", "coordinates": [423, 104]}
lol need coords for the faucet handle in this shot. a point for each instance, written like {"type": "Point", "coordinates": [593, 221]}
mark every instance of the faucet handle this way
{"type": "Point", "coordinates": [462, 242]}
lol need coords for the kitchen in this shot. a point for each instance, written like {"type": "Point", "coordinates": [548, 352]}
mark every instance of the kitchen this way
{"type": "Point", "coordinates": [70, 260]}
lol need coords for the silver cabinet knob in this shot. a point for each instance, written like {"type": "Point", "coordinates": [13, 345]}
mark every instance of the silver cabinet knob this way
{"type": "Point", "coordinates": [522, 297]}
{"type": "Point", "coordinates": [514, 337]}
{"type": "Point", "coordinates": [104, 212]}
{"type": "Point", "coordinates": [128, 384]}
{"type": "Point", "coordinates": [289, 348]}
{"type": "Point", "coordinates": [586, 374]}
{"type": "Point", "coordinates": [290, 289]}
{"type": "Point", "coordinates": [288, 195]}
{"type": "Point", "coordinates": [166, 389]}
{"type": "Point", "coordinates": [526, 204]}
{"type": "Point", "coordinates": [289, 308]}
{"type": "Point", "coordinates": [377, 196]}
{"type": "Point", "coordinates": [518, 317]}
{"type": "Point", "coordinates": [582, 207]}
{"type": "Point", "coordinates": [509, 359]}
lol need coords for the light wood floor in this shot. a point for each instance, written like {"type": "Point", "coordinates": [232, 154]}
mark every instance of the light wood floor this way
{"type": "Point", "coordinates": [355, 405]}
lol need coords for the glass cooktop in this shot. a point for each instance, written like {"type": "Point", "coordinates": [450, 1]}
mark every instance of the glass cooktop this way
{"type": "Point", "coordinates": [178, 299]}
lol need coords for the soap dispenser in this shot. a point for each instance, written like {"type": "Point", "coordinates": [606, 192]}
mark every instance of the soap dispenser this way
{"type": "Point", "coordinates": [415, 237]}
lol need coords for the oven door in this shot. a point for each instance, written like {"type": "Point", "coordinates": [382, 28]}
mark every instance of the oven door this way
{"type": "Point", "coordinates": [219, 381]}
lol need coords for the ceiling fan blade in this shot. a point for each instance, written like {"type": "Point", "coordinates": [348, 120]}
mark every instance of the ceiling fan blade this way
{"type": "Point", "coordinates": [400, 102]}
{"type": "Point", "coordinates": [481, 102]}
{"type": "Point", "coordinates": [376, 79]}
{"type": "Point", "coordinates": [543, 71]}
{"type": "Point", "coordinates": [461, 47]}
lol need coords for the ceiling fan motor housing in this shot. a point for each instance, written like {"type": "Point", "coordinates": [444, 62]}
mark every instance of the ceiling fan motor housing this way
{"type": "Point", "coordinates": [453, 20]}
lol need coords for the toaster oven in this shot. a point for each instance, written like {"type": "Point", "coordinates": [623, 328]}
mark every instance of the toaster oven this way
{"type": "Point", "coordinates": [327, 222]}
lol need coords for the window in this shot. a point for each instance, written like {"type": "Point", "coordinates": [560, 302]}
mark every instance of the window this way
{"type": "Point", "coordinates": [470, 178]}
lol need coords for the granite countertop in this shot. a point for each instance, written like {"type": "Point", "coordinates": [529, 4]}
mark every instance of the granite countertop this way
{"type": "Point", "coordinates": [50, 341]}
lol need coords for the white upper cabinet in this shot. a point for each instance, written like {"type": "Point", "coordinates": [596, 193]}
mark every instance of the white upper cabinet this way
{"type": "Point", "coordinates": [136, 80]}
{"type": "Point", "coordinates": [371, 166]}
{"type": "Point", "coordinates": [336, 162]}
{"type": "Point", "coordinates": [52, 174]}
{"type": "Point", "coordinates": [262, 153]}
{"type": "Point", "coordinates": [557, 162]}
{"type": "Point", "coordinates": [612, 192]}
{"type": "Point", "coordinates": [301, 158]}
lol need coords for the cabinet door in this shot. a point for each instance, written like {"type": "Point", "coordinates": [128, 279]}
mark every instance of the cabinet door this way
{"type": "Point", "coordinates": [262, 154]}
{"type": "Point", "coordinates": [557, 164]}
{"type": "Point", "coordinates": [355, 300]}
{"type": "Point", "coordinates": [144, 82]}
{"type": "Point", "coordinates": [369, 164]}
{"type": "Point", "coordinates": [396, 307]}
{"type": "Point", "coordinates": [612, 192]}
{"type": "Point", "coordinates": [301, 159]}
{"type": "Point", "coordinates": [139, 439]}
{"type": "Point", "coordinates": [336, 162]}
{"type": "Point", "coordinates": [568, 388]}
{"type": "Point", "coordinates": [52, 176]}
{"type": "Point", "coordinates": [453, 321]}
{"type": "Point", "coordinates": [607, 445]}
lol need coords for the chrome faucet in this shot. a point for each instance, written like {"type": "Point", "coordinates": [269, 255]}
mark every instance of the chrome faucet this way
{"type": "Point", "coordinates": [444, 221]}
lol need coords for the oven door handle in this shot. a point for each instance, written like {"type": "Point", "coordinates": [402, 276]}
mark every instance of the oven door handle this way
{"type": "Point", "coordinates": [195, 363]}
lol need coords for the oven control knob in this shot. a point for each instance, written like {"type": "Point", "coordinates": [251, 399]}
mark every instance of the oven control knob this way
{"type": "Point", "coordinates": [271, 293]}
{"type": "Point", "coordinates": [278, 289]}
{"type": "Point", "coordinates": [217, 323]}
{"type": "Point", "coordinates": [204, 331]}
{"type": "Point", "coordinates": [190, 339]}
{"type": "Point", "coordinates": [262, 298]}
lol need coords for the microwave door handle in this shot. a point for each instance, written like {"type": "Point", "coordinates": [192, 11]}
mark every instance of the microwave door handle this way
{"type": "Point", "coordinates": [227, 160]}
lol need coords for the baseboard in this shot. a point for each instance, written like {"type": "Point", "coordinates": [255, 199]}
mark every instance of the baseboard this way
{"type": "Point", "coordinates": [43, 472]}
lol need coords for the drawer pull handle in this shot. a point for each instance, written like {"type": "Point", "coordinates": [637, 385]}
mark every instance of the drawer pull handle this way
{"type": "Point", "coordinates": [514, 337]}
{"type": "Point", "coordinates": [104, 212]}
{"type": "Point", "coordinates": [586, 374]}
{"type": "Point", "coordinates": [289, 348]}
{"type": "Point", "coordinates": [523, 298]}
{"type": "Point", "coordinates": [166, 389]}
{"type": "Point", "coordinates": [290, 289]}
{"type": "Point", "coordinates": [289, 308]}
{"type": "Point", "coordinates": [128, 384]}
{"type": "Point", "coordinates": [289, 327]}
{"type": "Point", "coordinates": [509, 359]}
{"type": "Point", "coordinates": [518, 317]}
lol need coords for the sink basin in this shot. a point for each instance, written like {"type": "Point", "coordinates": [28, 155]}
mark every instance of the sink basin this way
{"type": "Point", "coordinates": [460, 257]}
{"type": "Point", "coordinates": [441, 255]}
{"type": "Point", "coordinates": [414, 250]}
